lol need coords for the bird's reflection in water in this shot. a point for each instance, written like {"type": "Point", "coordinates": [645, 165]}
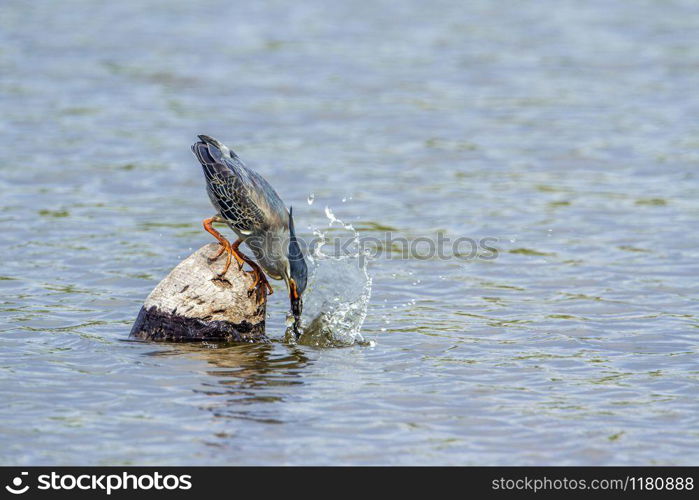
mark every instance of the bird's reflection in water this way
{"type": "Point", "coordinates": [245, 378]}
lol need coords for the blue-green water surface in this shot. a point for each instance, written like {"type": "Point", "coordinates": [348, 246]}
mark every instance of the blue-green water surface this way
{"type": "Point", "coordinates": [566, 130]}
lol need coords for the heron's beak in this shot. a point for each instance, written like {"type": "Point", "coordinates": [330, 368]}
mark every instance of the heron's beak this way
{"type": "Point", "coordinates": [295, 298]}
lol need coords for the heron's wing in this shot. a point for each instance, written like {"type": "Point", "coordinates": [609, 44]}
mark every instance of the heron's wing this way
{"type": "Point", "coordinates": [233, 191]}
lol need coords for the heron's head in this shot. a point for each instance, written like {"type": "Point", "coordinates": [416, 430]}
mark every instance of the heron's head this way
{"type": "Point", "coordinates": [298, 272]}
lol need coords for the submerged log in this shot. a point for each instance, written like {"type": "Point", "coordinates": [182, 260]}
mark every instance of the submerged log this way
{"type": "Point", "coordinates": [193, 303]}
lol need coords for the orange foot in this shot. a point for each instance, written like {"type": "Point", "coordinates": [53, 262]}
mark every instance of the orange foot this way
{"type": "Point", "coordinates": [260, 285]}
{"type": "Point", "coordinates": [231, 250]}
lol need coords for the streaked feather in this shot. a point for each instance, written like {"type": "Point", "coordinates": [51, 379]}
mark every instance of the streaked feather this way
{"type": "Point", "coordinates": [247, 202]}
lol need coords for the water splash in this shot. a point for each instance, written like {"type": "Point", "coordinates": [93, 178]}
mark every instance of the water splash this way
{"type": "Point", "coordinates": [331, 216]}
{"type": "Point", "coordinates": [339, 289]}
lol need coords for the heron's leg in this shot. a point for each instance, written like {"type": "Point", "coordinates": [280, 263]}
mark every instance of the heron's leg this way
{"type": "Point", "coordinates": [240, 256]}
{"type": "Point", "coordinates": [260, 286]}
{"type": "Point", "coordinates": [221, 249]}
{"type": "Point", "coordinates": [260, 283]}
{"type": "Point", "coordinates": [225, 244]}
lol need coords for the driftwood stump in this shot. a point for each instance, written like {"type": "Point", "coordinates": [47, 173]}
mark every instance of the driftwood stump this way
{"type": "Point", "coordinates": [193, 304]}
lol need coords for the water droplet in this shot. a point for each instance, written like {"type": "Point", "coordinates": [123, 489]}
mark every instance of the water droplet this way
{"type": "Point", "coordinates": [330, 215]}
{"type": "Point", "coordinates": [289, 320]}
{"type": "Point", "coordinates": [311, 198]}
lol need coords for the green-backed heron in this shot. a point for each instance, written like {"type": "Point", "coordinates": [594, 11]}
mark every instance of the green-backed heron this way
{"type": "Point", "coordinates": [251, 207]}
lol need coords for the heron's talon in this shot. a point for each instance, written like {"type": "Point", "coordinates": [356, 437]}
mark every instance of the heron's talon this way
{"type": "Point", "coordinates": [220, 252]}
{"type": "Point", "coordinates": [260, 286]}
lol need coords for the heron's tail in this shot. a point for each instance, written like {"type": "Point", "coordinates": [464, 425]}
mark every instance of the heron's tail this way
{"type": "Point", "coordinates": [208, 150]}
{"type": "Point", "coordinates": [210, 140]}
{"type": "Point", "coordinates": [201, 151]}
